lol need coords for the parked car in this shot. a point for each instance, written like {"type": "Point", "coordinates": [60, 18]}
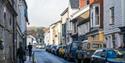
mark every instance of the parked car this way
{"type": "Point", "coordinates": [39, 46]}
{"type": "Point", "coordinates": [61, 50]}
{"type": "Point", "coordinates": [67, 54]}
{"type": "Point", "coordinates": [86, 49]}
{"type": "Point", "coordinates": [48, 48]}
{"type": "Point", "coordinates": [56, 50]}
{"type": "Point", "coordinates": [53, 49]}
{"type": "Point", "coordinates": [108, 56]}
{"type": "Point", "coordinates": [70, 50]}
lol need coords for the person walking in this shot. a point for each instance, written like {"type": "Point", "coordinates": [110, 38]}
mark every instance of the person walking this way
{"type": "Point", "coordinates": [30, 50]}
{"type": "Point", "coordinates": [21, 54]}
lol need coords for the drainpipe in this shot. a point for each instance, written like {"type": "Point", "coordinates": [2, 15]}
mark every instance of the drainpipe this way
{"type": "Point", "coordinates": [14, 51]}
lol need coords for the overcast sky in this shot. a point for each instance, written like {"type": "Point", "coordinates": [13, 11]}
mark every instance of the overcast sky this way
{"type": "Point", "coordinates": [45, 12]}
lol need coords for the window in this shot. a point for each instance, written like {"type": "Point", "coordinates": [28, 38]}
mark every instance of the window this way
{"type": "Point", "coordinates": [98, 53]}
{"type": "Point", "coordinates": [10, 21]}
{"type": "Point", "coordinates": [75, 27]}
{"type": "Point", "coordinates": [111, 54]}
{"type": "Point", "coordinates": [112, 15]}
{"type": "Point", "coordinates": [97, 15]}
{"type": "Point", "coordinates": [94, 45]}
{"type": "Point", "coordinates": [87, 2]}
{"type": "Point", "coordinates": [4, 16]}
{"type": "Point", "coordinates": [113, 40]}
{"type": "Point", "coordinates": [91, 19]}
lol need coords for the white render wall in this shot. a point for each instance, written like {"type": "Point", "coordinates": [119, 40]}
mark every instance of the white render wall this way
{"type": "Point", "coordinates": [119, 21]}
{"type": "Point", "coordinates": [118, 16]}
{"type": "Point", "coordinates": [51, 36]}
{"type": "Point", "coordinates": [123, 12]}
{"type": "Point", "coordinates": [46, 38]}
{"type": "Point", "coordinates": [83, 29]}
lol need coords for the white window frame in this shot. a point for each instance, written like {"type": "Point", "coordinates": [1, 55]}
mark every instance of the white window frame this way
{"type": "Point", "coordinates": [112, 18]}
{"type": "Point", "coordinates": [93, 22]}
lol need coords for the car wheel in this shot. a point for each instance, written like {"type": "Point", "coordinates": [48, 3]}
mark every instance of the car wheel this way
{"type": "Point", "coordinates": [92, 61]}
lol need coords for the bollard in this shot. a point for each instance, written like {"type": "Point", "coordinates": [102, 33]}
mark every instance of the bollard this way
{"type": "Point", "coordinates": [33, 58]}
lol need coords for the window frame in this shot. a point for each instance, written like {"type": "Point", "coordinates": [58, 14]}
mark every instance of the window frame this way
{"type": "Point", "coordinates": [112, 15]}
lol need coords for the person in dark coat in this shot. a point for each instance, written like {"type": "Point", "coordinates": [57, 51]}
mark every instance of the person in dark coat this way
{"type": "Point", "coordinates": [30, 50]}
{"type": "Point", "coordinates": [21, 54]}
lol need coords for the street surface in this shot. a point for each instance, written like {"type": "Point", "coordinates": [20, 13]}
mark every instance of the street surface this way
{"type": "Point", "coordinates": [41, 56]}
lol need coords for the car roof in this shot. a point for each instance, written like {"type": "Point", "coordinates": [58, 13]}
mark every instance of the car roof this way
{"type": "Point", "coordinates": [77, 41]}
{"type": "Point", "coordinates": [106, 49]}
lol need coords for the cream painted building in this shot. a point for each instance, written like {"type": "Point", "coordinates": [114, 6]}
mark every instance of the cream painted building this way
{"type": "Point", "coordinates": [55, 33]}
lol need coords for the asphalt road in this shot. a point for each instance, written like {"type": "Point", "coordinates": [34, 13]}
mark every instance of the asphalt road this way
{"type": "Point", "coordinates": [41, 56]}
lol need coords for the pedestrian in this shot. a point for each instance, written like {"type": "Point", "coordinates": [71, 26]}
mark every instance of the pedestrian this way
{"type": "Point", "coordinates": [30, 50]}
{"type": "Point", "coordinates": [21, 54]}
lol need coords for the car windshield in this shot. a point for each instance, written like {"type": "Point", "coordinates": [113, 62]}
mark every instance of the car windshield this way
{"type": "Point", "coordinates": [111, 54]}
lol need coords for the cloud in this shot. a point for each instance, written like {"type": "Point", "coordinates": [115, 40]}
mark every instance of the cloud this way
{"type": "Point", "coordinates": [45, 12]}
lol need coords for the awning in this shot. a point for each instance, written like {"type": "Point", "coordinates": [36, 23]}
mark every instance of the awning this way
{"type": "Point", "coordinates": [84, 18]}
{"type": "Point", "coordinates": [81, 13]}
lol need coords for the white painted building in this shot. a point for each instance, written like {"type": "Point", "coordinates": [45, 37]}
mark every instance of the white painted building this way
{"type": "Point", "coordinates": [114, 17]}
{"type": "Point", "coordinates": [46, 37]}
{"type": "Point", "coordinates": [51, 35]}
{"type": "Point", "coordinates": [22, 20]}
{"type": "Point", "coordinates": [31, 40]}
{"type": "Point", "coordinates": [55, 33]}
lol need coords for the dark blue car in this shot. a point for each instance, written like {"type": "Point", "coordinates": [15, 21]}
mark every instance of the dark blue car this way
{"type": "Point", "coordinates": [73, 49]}
{"type": "Point", "coordinates": [108, 56]}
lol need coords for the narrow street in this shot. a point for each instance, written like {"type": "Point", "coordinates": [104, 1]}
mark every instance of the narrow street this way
{"type": "Point", "coordinates": [41, 56]}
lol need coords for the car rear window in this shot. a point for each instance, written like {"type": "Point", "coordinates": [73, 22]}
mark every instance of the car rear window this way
{"type": "Point", "coordinates": [74, 45]}
{"type": "Point", "coordinates": [94, 45]}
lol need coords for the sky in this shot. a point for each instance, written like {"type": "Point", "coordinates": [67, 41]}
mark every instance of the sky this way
{"type": "Point", "coordinates": [45, 12]}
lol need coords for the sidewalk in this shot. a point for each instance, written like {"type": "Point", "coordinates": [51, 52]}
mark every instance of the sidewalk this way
{"type": "Point", "coordinates": [28, 61]}
{"type": "Point", "coordinates": [32, 60]}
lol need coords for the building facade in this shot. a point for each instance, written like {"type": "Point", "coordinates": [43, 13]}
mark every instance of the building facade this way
{"type": "Point", "coordinates": [96, 33]}
{"type": "Point", "coordinates": [64, 19]}
{"type": "Point", "coordinates": [114, 23]}
{"type": "Point", "coordinates": [55, 33]}
{"type": "Point", "coordinates": [80, 21]}
{"type": "Point", "coordinates": [8, 16]}
{"type": "Point", "coordinates": [8, 28]}
{"type": "Point", "coordinates": [46, 37]}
